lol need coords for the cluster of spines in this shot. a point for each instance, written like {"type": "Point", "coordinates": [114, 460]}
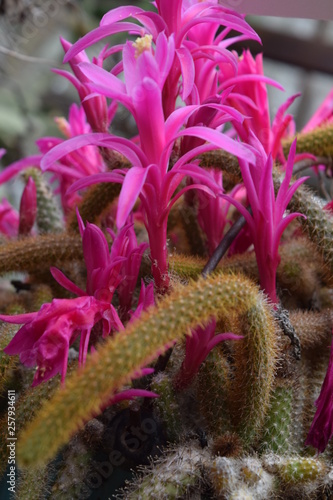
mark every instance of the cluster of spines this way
{"type": "Point", "coordinates": [49, 217]}
{"type": "Point", "coordinates": [318, 142]}
{"type": "Point", "coordinates": [170, 477]}
{"type": "Point", "coordinates": [33, 483]}
{"type": "Point", "coordinates": [41, 252]}
{"type": "Point", "coordinates": [235, 478]}
{"type": "Point", "coordinates": [276, 431]}
{"type": "Point", "coordinates": [7, 363]}
{"type": "Point", "coordinates": [212, 393]}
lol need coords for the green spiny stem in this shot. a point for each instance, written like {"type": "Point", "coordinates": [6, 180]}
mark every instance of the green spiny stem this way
{"type": "Point", "coordinates": [39, 252]}
{"type": "Point", "coordinates": [297, 431]}
{"type": "Point", "coordinates": [171, 477]}
{"type": "Point", "coordinates": [26, 407]}
{"type": "Point", "coordinates": [7, 363]}
{"type": "Point", "coordinates": [295, 470]}
{"type": "Point", "coordinates": [212, 395]}
{"type": "Point", "coordinates": [318, 142]}
{"type": "Point", "coordinates": [255, 358]}
{"type": "Point", "coordinates": [33, 484]}
{"type": "Point", "coordinates": [49, 218]}
{"type": "Point", "coordinates": [222, 160]}
{"type": "Point", "coordinates": [97, 199]}
{"type": "Point", "coordinates": [117, 361]}
{"type": "Point", "coordinates": [276, 430]}
{"type": "Point", "coordinates": [167, 406]}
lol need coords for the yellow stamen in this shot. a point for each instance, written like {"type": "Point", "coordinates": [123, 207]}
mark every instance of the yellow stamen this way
{"type": "Point", "coordinates": [141, 44]}
{"type": "Point", "coordinates": [62, 125]}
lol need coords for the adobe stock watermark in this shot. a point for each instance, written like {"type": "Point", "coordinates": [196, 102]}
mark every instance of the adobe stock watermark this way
{"type": "Point", "coordinates": [100, 471]}
{"type": "Point", "coordinates": [18, 33]}
{"type": "Point", "coordinates": [11, 442]}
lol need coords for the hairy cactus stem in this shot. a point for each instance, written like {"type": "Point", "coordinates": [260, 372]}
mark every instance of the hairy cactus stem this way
{"type": "Point", "coordinates": [118, 360]}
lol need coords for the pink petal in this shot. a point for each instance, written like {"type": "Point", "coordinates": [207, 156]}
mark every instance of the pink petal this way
{"type": "Point", "coordinates": [98, 34]}
{"type": "Point", "coordinates": [18, 319]}
{"type": "Point", "coordinates": [66, 282]}
{"type": "Point", "coordinates": [16, 167]}
{"type": "Point", "coordinates": [120, 13]}
{"type": "Point", "coordinates": [132, 186]}
{"type": "Point", "coordinates": [221, 141]}
{"type": "Point", "coordinates": [187, 69]}
{"type": "Point", "coordinates": [95, 179]}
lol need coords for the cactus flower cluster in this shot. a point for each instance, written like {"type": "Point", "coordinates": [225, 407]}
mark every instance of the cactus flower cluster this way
{"type": "Point", "coordinates": [113, 235]}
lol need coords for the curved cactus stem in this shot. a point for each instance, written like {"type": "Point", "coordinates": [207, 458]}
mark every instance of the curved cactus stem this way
{"type": "Point", "coordinates": [318, 142]}
{"type": "Point", "coordinates": [119, 360]}
{"type": "Point", "coordinates": [40, 252]}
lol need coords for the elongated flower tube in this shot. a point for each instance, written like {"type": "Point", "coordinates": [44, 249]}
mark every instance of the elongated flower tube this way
{"type": "Point", "coordinates": [28, 207]}
{"type": "Point", "coordinates": [97, 112]}
{"type": "Point", "coordinates": [47, 335]}
{"type": "Point", "coordinates": [268, 221]}
{"type": "Point", "coordinates": [9, 219]}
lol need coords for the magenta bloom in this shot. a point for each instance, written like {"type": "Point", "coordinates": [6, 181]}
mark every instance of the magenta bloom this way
{"type": "Point", "coordinates": [198, 346]}
{"type": "Point", "coordinates": [74, 165]}
{"type": "Point", "coordinates": [184, 21]}
{"type": "Point", "coordinates": [108, 270]}
{"type": "Point", "coordinates": [98, 114]}
{"type": "Point", "coordinates": [267, 222]}
{"type": "Point", "coordinates": [323, 115]}
{"type": "Point", "coordinates": [145, 70]}
{"type": "Point", "coordinates": [28, 207]}
{"type": "Point", "coordinates": [321, 429]}
{"type": "Point", "coordinates": [9, 219]}
{"type": "Point", "coordinates": [47, 335]}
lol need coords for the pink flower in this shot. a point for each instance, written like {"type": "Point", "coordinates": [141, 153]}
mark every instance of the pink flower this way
{"type": "Point", "coordinates": [9, 219]}
{"type": "Point", "coordinates": [267, 222]}
{"type": "Point", "coordinates": [75, 165]}
{"type": "Point", "coordinates": [28, 207]}
{"type": "Point", "coordinates": [321, 429]}
{"type": "Point", "coordinates": [47, 335]}
{"type": "Point", "coordinates": [145, 70]}
{"type": "Point", "coordinates": [95, 107]}
{"type": "Point", "coordinates": [213, 213]}
{"type": "Point", "coordinates": [323, 115]}
{"type": "Point", "coordinates": [198, 346]}
{"type": "Point", "coordinates": [107, 270]}
{"type": "Point", "coordinates": [81, 163]}
{"type": "Point", "coordinates": [177, 20]}
{"type": "Point", "coordinates": [125, 244]}
{"type": "Point", "coordinates": [249, 96]}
